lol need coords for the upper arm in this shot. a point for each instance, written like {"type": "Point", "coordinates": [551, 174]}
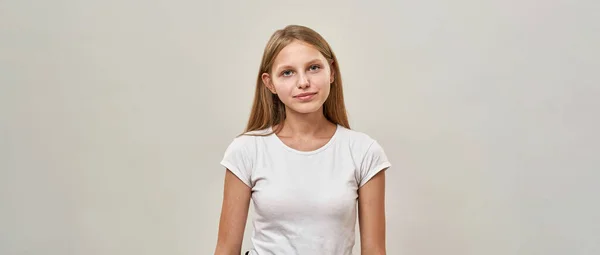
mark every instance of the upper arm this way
{"type": "Point", "coordinates": [371, 214]}
{"type": "Point", "coordinates": [234, 213]}
{"type": "Point", "coordinates": [371, 199]}
{"type": "Point", "coordinates": [238, 160]}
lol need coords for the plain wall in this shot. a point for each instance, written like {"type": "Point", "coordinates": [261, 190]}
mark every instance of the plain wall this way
{"type": "Point", "coordinates": [114, 116]}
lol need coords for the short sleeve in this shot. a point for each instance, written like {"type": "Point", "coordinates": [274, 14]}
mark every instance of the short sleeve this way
{"type": "Point", "coordinates": [238, 159]}
{"type": "Point", "coordinates": [374, 161]}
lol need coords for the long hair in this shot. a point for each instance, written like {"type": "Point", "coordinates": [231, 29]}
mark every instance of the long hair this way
{"type": "Point", "coordinates": [267, 108]}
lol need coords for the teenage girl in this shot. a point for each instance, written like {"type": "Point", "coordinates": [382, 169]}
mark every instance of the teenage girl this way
{"type": "Point", "coordinates": [299, 162]}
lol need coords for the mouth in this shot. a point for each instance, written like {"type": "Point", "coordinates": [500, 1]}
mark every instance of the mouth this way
{"type": "Point", "coordinates": [305, 96]}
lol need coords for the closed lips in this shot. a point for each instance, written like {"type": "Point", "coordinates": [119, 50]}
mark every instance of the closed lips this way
{"type": "Point", "coordinates": [305, 94]}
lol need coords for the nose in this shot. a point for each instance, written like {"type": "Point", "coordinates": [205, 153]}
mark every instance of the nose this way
{"type": "Point", "coordinates": [303, 81]}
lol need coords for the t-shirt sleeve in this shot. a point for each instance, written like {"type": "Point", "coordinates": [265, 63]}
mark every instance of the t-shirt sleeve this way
{"type": "Point", "coordinates": [238, 159]}
{"type": "Point", "coordinates": [374, 161]}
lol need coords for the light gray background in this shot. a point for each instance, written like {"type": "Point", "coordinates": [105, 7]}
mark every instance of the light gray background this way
{"type": "Point", "coordinates": [115, 115]}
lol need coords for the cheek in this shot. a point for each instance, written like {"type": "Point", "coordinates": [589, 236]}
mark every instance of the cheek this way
{"type": "Point", "coordinates": [284, 86]}
{"type": "Point", "coordinates": [322, 81]}
{"type": "Point", "coordinates": [325, 91]}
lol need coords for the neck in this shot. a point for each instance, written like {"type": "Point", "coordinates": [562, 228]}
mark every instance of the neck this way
{"type": "Point", "coordinates": [305, 124]}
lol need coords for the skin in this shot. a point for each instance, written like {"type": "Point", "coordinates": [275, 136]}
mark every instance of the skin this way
{"type": "Point", "coordinates": [300, 68]}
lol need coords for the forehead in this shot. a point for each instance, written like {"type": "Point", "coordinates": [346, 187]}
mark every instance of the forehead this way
{"type": "Point", "coordinates": [297, 52]}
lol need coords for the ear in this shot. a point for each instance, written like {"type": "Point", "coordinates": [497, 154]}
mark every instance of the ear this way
{"type": "Point", "coordinates": [331, 71]}
{"type": "Point", "coordinates": [266, 78]}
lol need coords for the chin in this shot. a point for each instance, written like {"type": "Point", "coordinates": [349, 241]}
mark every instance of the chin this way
{"type": "Point", "coordinates": [307, 108]}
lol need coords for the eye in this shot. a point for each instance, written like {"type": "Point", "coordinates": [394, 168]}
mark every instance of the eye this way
{"type": "Point", "coordinates": [315, 67]}
{"type": "Point", "coordinates": [286, 73]}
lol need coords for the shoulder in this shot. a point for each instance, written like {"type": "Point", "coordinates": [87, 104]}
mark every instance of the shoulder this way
{"type": "Point", "coordinates": [361, 145]}
{"type": "Point", "coordinates": [368, 155]}
{"type": "Point", "coordinates": [247, 141]}
{"type": "Point", "coordinates": [356, 139]}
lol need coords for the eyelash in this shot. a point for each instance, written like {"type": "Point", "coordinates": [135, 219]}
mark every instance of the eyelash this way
{"type": "Point", "coordinates": [317, 66]}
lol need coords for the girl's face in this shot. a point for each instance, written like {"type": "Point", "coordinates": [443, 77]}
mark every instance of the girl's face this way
{"type": "Point", "coordinates": [301, 77]}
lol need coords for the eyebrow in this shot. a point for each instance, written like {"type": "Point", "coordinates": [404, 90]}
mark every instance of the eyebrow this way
{"type": "Point", "coordinates": [291, 67]}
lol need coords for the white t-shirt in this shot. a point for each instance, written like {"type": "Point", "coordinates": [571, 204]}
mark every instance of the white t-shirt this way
{"type": "Point", "coordinates": [305, 201]}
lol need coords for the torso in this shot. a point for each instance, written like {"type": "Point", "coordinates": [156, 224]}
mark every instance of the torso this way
{"type": "Point", "coordinates": [304, 194]}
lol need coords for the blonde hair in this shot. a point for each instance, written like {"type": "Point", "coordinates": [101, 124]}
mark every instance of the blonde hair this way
{"type": "Point", "coordinates": [267, 108]}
